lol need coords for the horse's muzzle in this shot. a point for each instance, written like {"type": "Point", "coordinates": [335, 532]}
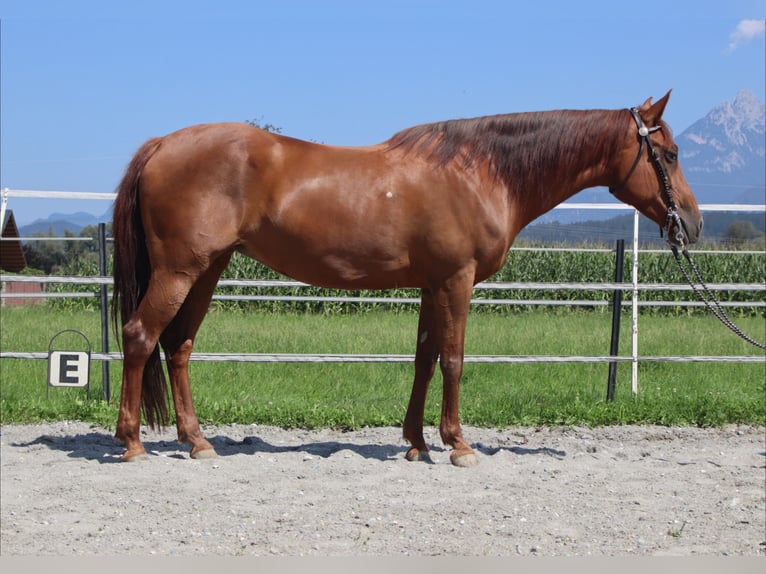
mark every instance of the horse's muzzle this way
{"type": "Point", "coordinates": [684, 227]}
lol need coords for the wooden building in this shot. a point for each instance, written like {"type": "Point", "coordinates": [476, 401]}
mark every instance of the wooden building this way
{"type": "Point", "coordinates": [11, 253]}
{"type": "Point", "coordinates": [12, 260]}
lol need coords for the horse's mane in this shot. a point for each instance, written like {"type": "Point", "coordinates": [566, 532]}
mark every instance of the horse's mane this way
{"type": "Point", "coordinates": [522, 150]}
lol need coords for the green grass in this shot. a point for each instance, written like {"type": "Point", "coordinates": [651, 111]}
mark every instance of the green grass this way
{"type": "Point", "coordinates": [355, 395]}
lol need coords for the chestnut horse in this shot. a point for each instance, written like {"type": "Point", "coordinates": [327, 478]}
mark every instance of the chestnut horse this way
{"type": "Point", "coordinates": [436, 207]}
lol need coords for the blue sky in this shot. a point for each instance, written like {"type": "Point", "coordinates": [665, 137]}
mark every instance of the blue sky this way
{"type": "Point", "coordinates": [84, 83]}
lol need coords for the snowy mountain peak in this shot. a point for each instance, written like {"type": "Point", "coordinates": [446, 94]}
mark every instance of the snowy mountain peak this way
{"type": "Point", "coordinates": [728, 147]}
{"type": "Point", "coordinates": [747, 106]}
{"type": "Point", "coordinates": [742, 114]}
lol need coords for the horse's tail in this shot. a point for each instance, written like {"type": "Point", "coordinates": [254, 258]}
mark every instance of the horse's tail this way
{"type": "Point", "coordinates": [131, 278]}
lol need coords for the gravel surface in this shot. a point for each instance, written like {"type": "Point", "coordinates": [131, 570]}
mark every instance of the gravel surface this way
{"type": "Point", "coordinates": [614, 491]}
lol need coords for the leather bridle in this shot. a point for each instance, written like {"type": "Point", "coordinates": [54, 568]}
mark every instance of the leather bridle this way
{"type": "Point", "coordinates": [662, 174]}
{"type": "Point", "coordinates": [702, 291]}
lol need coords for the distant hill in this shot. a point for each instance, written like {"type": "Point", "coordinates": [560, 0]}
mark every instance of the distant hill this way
{"type": "Point", "coordinates": [606, 232]}
{"type": "Point", "coordinates": [57, 223]}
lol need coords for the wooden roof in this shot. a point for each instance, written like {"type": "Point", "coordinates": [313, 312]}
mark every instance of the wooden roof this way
{"type": "Point", "coordinates": [11, 254]}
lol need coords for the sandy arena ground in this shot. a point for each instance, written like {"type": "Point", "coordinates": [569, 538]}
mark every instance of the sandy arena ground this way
{"type": "Point", "coordinates": [615, 491]}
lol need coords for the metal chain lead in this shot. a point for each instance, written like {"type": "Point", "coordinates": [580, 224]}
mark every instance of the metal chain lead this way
{"type": "Point", "coordinates": [710, 301]}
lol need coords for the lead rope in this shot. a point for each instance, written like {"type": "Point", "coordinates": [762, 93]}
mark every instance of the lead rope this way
{"type": "Point", "coordinates": [708, 298]}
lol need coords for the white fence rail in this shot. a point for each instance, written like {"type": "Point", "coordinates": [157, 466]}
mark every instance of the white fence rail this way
{"type": "Point", "coordinates": [485, 285]}
{"type": "Point", "coordinates": [635, 302]}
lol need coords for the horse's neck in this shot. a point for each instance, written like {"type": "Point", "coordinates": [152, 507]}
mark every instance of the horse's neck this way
{"type": "Point", "coordinates": [535, 203]}
{"type": "Point", "coordinates": [557, 178]}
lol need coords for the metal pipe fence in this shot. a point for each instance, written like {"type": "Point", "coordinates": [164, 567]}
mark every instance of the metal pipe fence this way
{"type": "Point", "coordinates": [634, 287]}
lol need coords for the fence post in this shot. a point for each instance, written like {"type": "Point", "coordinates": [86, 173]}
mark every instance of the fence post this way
{"type": "Point", "coordinates": [102, 267]}
{"type": "Point", "coordinates": [634, 307]}
{"type": "Point", "coordinates": [614, 348]}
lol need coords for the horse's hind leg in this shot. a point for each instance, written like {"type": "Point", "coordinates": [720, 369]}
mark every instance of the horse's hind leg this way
{"type": "Point", "coordinates": [425, 363]}
{"type": "Point", "coordinates": [178, 340]}
{"type": "Point", "coordinates": [140, 335]}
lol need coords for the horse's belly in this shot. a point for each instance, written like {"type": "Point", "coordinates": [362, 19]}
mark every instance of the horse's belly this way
{"type": "Point", "coordinates": [335, 266]}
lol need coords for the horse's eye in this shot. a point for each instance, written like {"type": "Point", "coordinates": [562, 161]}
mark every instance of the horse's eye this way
{"type": "Point", "coordinates": [670, 156]}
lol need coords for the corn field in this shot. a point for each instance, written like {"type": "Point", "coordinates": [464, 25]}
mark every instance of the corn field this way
{"type": "Point", "coordinates": [551, 266]}
{"type": "Point", "coordinates": [534, 267]}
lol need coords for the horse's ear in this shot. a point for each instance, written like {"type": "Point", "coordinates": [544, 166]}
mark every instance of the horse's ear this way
{"type": "Point", "coordinates": [643, 108]}
{"type": "Point", "coordinates": [653, 112]}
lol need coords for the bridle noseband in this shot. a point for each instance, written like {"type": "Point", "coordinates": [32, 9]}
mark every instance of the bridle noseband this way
{"type": "Point", "coordinates": [662, 174]}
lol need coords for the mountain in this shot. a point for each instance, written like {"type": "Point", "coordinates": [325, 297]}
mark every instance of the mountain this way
{"type": "Point", "coordinates": [57, 223]}
{"type": "Point", "coordinates": [724, 154]}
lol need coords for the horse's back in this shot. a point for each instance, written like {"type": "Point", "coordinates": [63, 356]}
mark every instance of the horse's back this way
{"type": "Point", "coordinates": [336, 216]}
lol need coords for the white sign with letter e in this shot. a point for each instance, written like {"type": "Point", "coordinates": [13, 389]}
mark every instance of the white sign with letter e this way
{"type": "Point", "coordinates": [69, 368]}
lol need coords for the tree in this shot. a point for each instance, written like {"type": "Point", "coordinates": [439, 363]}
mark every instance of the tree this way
{"type": "Point", "coordinates": [740, 232]}
{"type": "Point", "coordinates": [258, 123]}
{"type": "Point", "coordinates": [44, 254]}
{"type": "Point", "coordinates": [61, 256]}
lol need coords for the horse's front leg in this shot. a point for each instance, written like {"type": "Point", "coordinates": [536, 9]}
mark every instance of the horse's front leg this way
{"type": "Point", "coordinates": [425, 364]}
{"type": "Point", "coordinates": [452, 305]}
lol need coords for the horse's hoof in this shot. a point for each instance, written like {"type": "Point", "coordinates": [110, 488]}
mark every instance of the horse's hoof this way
{"type": "Point", "coordinates": [415, 454]}
{"type": "Point", "coordinates": [204, 453]}
{"type": "Point", "coordinates": [464, 459]}
{"type": "Point", "coordinates": [134, 456]}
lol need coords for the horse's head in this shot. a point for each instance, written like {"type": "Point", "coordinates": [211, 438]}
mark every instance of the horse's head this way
{"type": "Point", "coordinates": [648, 175]}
